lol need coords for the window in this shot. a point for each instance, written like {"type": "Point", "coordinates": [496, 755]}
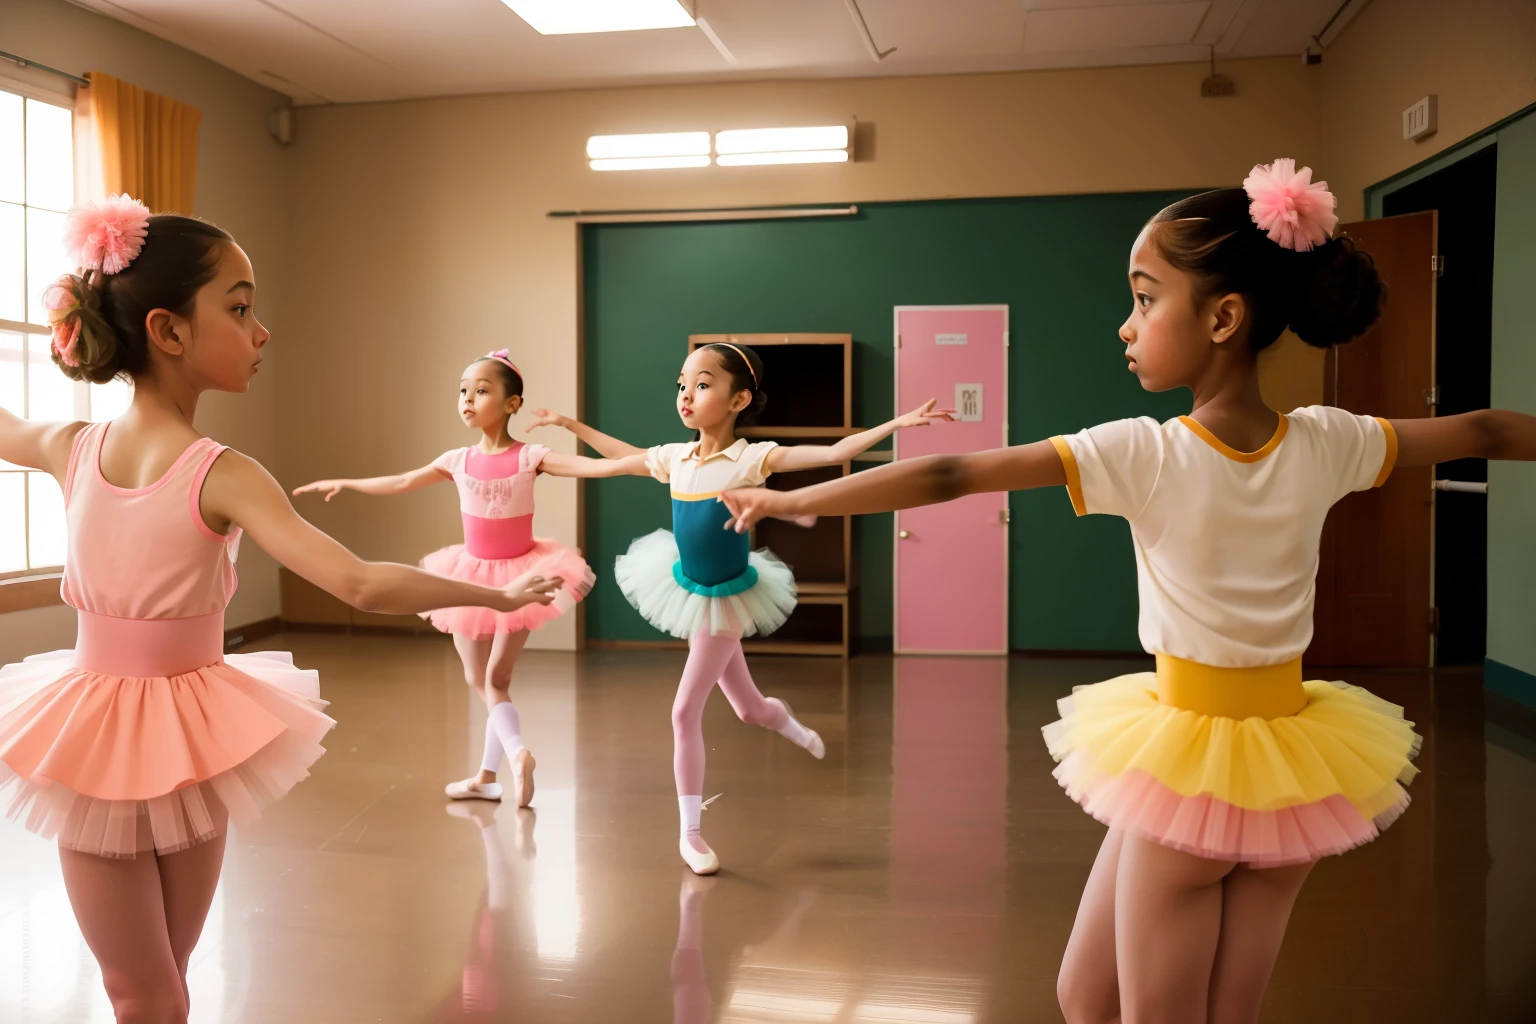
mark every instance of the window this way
{"type": "Point", "coordinates": [37, 186]}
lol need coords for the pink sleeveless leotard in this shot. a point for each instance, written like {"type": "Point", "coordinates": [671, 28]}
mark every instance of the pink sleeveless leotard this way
{"type": "Point", "coordinates": [496, 506]}
{"type": "Point", "coordinates": [126, 743]}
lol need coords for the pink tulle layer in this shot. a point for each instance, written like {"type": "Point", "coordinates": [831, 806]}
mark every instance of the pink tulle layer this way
{"type": "Point", "coordinates": [546, 557]}
{"type": "Point", "coordinates": [1206, 827]}
{"type": "Point", "coordinates": [118, 766]}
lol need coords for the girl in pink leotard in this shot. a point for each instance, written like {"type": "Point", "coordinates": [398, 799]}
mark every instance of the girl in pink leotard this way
{"type": "Point", "coordinates": [495, 480]}
{"type": "Point", "coordinates": [135, 749]}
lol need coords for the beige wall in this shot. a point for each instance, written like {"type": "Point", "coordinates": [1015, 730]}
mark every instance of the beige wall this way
{"type": "Point", "coordinates": [1478, 56]}
{"type": "Point", "coordinates": [421, 235]}
{"type": "Point", "coordinates": [243, 184]}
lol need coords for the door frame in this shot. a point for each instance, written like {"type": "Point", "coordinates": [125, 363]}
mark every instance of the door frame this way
{"type": "Point", "coordinates": [1007, 525]}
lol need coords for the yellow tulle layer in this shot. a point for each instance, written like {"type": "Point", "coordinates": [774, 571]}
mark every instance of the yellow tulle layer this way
{"type": "Point", "coordinates": [1345, 742]}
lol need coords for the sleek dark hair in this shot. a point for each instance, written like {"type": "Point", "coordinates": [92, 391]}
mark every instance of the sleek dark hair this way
{"type": "Point", "coordinates": [180, 255]}
{"type": "Point", "coordinates": [1328, 295]}
{"type": "Point", "coordinates": [746, 369]}
{"type": "Point", "coordinates": [510, 378]}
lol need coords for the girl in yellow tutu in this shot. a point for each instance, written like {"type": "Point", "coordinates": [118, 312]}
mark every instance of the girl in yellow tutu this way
{"type": "Point", "coordinates": [1224, 776]}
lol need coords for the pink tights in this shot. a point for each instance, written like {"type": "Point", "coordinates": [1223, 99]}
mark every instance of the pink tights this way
{"type": "Point", "coordinates": [711, 660]}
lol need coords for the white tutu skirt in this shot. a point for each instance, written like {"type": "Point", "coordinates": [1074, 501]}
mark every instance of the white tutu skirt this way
{"type": "Point", "coordinates": [645, 575]}
{"type": "Point", "coordinates": [118, 766]}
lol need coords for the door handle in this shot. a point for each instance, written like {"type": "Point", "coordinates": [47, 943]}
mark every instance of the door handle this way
{"type": "Point", "coordinates": [904, 534]}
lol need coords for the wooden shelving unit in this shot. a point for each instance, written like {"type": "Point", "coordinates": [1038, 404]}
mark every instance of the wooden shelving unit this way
{"type": "Point", "coordinates": [809, 381]}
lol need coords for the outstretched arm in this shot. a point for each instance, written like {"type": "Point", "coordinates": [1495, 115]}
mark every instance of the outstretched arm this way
{"type": "Point", "coordinates": [608, 447]}
{"type": "Point", "coordinates": [925, 481]}
{"type": "Point", "coordinates": [242, 493]}
{"type": "Point", "coordinates": [788, 458]}
{"type": "Point", "coordinates": [36, 445]}
{"type": "Point", "coordinates": [1484, 434]}
{"type": "Point", "coordinates": [400, 483]}
{"type": "Point", "coordinates": [581, 466]}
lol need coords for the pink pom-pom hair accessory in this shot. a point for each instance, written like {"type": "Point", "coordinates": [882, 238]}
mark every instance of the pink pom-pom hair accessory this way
{"type": "Point", "coordinates": [501, 355]}
{"type": "Point", "coordinates": [106, 235]}
{"type": "Point", "coordinates": [1288, 206]}
{"type": "Point", "coordinates": [64, 316]}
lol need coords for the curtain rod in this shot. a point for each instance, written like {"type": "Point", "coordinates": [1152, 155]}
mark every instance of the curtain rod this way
{"type": "Point", "coordinates": [24, 62]}
{"type": "Point", "coordinates": [663, 216]}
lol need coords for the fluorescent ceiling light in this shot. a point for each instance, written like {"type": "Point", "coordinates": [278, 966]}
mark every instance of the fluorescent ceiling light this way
{"type": "Point", "coordinates": [814, 156]}
{"type": "Point", "coordinates": [605, 147]}
{"type": "Point", "coordinates": [781, 140]}
{"type": "Point", "coordinates": [649, 163]}
{"type": "Point", "coordinates": [567, 17]}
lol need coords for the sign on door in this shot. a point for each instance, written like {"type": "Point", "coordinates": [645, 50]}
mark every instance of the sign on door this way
{"type": "Point", "coordinates": [968, 403]}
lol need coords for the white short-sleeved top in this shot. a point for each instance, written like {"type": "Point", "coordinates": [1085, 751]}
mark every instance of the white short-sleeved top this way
{"type": "Point", "coordinates": [1226, 541]}
{"type": "Point", "coordinates": [740, 465]}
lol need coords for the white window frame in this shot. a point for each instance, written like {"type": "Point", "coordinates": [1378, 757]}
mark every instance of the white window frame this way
{"type": "Point", "coordinates": [31, 333]}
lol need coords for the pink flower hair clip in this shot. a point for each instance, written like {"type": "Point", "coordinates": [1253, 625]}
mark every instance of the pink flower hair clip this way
{"type": "Point", "coordinates": [1288, 206]}
{"type": "Point", "coordinates": [64, 317]}
{"type": "Point", "coordinates": [106, 235]}
{"type": "Point", "coordinates": [501, 355]}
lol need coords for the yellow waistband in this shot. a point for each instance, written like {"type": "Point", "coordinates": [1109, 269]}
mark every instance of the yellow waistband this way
{"type": "Point", "coordinates": [1268, 691]}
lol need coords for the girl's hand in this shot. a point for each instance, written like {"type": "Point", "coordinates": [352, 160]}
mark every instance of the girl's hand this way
{"type": "Point", "coordinates": [545, 418]}
{"type": "Point", "coordinates": [532, 589]}
{"type": "Point", "coordinates": [751, 504]}
{"type": "Point", "coordinates": [330, 487]}
{"type": "Point", "coordinates": [926, 414]}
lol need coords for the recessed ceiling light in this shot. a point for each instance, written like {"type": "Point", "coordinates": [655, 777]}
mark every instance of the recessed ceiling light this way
{"type": "Point", "coordinates": [568, 17]}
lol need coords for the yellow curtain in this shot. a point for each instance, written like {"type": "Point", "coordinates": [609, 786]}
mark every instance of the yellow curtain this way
{"type": "Point", "coordinates": [137, 142]}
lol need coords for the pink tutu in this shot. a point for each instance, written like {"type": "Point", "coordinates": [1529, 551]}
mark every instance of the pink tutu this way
{"type": "Point", "coordinates": [546, 557]}
{"type": "Point", "coordinates": [116, 766]}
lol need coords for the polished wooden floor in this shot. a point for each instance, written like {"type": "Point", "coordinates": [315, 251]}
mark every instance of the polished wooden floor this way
{"type": "Point", "coordinates": [925, 873]}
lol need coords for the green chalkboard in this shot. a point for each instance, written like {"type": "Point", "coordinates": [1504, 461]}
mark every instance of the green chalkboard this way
{"type": "Point", "coordinates": [1058, 262]}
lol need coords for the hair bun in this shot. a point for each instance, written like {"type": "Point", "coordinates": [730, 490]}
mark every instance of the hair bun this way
{"type": "Point", "coordinates": [1338, 293]}
{"type": "Point", "coordinates": [92, 355]}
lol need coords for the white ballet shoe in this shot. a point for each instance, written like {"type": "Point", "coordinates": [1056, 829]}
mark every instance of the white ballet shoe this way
{"type": "Point", "coordinates": [698, 863]}
{"type": "Point", "coordinates": [523, 764]}
{"type": "Point", "coordinates": [469, 789]}
{"type": "Point", "coordinates": [813, 743]}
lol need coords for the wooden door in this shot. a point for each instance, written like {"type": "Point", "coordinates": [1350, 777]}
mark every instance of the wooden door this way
{"type": "Point", "coordinates": [1375, 575]}
{"type": "Point", "coordinates": [951, 562]}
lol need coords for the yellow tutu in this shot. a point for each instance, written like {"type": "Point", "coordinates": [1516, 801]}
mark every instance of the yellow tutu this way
{"type": "Point", "coordinates": [1259, 790]}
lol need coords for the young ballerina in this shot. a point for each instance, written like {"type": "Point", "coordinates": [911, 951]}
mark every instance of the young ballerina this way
{"type": "Point", "coordinates": [138, 747]}
{"type": "Point", "coordinates": [1223, 777]}
{"type": "Point", "coordinates": [495, 479]}
{"type": "Point", "coordinates": [700, 582]}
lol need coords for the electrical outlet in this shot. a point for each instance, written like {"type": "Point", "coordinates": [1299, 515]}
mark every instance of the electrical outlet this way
{"type": "Point", "coordinates": [1422, 119]}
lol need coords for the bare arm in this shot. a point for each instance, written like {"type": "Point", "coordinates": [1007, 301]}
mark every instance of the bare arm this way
{"type": "Point", "coordinates": [581, 466]}
{"type": "Point", "coordinates": [912, 482]}
{"type": "Point", "coordinates": [1484, 434]}
{"type": "Point", "coordinates": [788, 458]}
{"type": "Point", "coordinates": [240, 492]}
{"type": "Point", "coordinates": [608, 447]}
{"type": "Point", "coordinates": [36, 445]}
{"type": "Point", "coordinates": [400, 483]}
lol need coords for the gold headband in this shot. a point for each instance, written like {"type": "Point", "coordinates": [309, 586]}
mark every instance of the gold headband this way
{"type": "Point", "coordinates": [744, 359]}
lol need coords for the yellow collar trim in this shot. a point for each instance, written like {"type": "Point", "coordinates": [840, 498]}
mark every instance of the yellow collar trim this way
{"type": "Point", "coordinates": [1199, 430]}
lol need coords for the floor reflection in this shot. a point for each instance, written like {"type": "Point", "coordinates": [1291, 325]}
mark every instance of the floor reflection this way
{"type": "Point", "coordinates": [925, 872]}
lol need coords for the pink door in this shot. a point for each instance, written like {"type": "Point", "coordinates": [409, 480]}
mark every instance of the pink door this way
{"type": "Point", "coordinates": [951, 561]}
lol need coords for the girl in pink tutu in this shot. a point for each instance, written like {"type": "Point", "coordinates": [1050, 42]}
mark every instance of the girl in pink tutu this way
{"type": "Point", "coordinates": [137, 748]}
{"type": "Point", "coordinates": [495, 479]}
